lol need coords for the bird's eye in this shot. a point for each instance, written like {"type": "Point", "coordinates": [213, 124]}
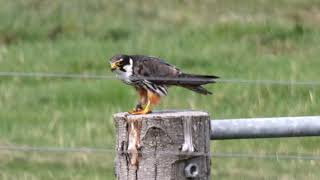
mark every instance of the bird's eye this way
{"type": "Point", "coordinates": [120, 63]}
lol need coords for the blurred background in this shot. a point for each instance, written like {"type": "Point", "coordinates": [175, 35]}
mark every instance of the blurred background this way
{"type": "Point", "coordinates": [250, 39]}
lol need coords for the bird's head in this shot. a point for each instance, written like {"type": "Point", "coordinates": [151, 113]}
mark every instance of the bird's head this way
{"type": "Point", "coordinates": [120, 62]}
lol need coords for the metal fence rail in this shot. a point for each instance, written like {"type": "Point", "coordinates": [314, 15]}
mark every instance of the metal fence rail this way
{"type": "Point", "coordinates": [265, 127]}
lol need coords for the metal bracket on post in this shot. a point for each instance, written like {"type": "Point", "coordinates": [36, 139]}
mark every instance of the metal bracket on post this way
{"type": "Point", "coordinates": [191, 170]}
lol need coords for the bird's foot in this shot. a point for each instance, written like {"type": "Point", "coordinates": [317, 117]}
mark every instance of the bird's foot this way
{"type": "Point", "coordinates": [136, 109]}
{"type": "Point", "coordinates": [141, 111]}
{"type": "Point", "coordinates": [133, 111]}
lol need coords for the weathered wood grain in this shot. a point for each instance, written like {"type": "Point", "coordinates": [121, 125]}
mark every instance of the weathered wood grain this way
{"type": "Point", "coordinates": [150, 146]}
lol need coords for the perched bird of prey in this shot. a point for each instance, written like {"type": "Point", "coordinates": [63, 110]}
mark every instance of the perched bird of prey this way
{"type": "Point", "coordinates": [151, 77]}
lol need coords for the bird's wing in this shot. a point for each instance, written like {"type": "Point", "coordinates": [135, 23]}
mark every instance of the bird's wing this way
{"type": "Point", "coordinates": [154, 69]}
{"type": "Point", "coordinates": [153, 74]}
{"type": "Point", "coordinates": [159, 72]}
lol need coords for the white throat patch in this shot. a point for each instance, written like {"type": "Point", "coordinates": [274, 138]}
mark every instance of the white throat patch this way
{"type": "Point", "coordinates": [128, 67]}
{"type": "Point", "coordinates": [125, 76]}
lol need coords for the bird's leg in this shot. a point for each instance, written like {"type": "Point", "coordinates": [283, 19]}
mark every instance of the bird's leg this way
{"type": "Point", "coordinates": [143, 97]}
{"type": "Point", "coordinates": [152, 99]}
{"type": "Point", "coordinates": [138, 107]}
{"type": "Point", "coordinates": [146, 110]}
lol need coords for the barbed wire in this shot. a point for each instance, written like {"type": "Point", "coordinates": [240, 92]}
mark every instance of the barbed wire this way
{"type": "Point", "coordinates": [275, 156]}
{"type": "Point", "coordinates": [93, 76]}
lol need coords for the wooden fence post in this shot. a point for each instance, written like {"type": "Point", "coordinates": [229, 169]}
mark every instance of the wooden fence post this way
{"type": "Point", "coordinates": [163, 145]}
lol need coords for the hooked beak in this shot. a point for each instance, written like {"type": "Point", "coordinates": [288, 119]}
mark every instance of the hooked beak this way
{"type": "Point", "coordinates": [113, 66]}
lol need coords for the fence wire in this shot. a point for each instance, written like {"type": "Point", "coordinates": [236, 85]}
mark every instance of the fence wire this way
{"type": "Point", "coordinates": [275, 156]}
{"type": "Point", "coordinates": [55, 149]}
{"type": "Point", "coordinates": [93, 76]}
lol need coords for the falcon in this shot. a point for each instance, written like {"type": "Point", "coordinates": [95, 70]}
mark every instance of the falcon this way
{"type": "Point", "coordinates": [152, 76]}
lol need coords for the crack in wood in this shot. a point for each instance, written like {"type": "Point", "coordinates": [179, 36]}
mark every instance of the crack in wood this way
{"type": "Point", "coordinates": [155, 163]}
{"type": "Point", "coordinates": [187, 146]}
{"type": "Point", "coordinates": [134, 131]}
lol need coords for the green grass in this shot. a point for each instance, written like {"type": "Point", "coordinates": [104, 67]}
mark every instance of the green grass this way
{"type": "Point", "coordinates": [252, 39]}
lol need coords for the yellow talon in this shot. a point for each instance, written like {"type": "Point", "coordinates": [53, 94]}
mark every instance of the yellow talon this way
{"type": "Point", "coordinates": [132, 111]}
{"type": "Point", "coordinates": [146, 110]}
{"type": "Point", "coordinates": [140, 112]}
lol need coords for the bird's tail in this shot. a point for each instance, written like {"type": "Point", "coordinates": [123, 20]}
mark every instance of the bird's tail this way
{"type": "Point", "coordinates": [192, 82]}
{"type": "Point", "coordinates": [196, 80]}
{"type": "Point", "coordinates": [198, 89]}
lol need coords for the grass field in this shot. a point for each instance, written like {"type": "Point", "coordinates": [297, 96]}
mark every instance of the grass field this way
{"type": "Point", "coordinates": [251, 39]}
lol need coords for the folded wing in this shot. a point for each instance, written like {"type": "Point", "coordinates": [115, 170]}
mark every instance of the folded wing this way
{"type": "Point", "coordinates": [159, 72]}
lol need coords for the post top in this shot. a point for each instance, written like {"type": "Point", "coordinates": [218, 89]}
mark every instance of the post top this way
{"type": "Point", "coordinates": [164, 114]}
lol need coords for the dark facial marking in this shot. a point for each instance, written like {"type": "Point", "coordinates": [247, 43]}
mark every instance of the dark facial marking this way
{"type": "Point", "coordinates": [121, 60]}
